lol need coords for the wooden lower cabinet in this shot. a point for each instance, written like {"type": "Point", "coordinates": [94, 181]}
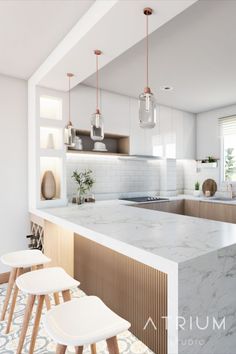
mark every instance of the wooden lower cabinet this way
{"type": "Point", "coordinates": [133, 290]}
{"type": "Point", "coordinates": [174, 206]}
{"type": "Point", "coordinates": [218, 212]}
{"type": "Point", "coordinates": [191, 208]}
{"type": "Point", "coordinates": [59, 246]}
{"type": "Point", "coordinates": [197, 208]}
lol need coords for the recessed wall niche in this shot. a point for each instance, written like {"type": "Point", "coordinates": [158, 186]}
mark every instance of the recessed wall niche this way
{"type": "Point", "coordinates": [50, 107]}
{"type": "Point", "coordinates": [53, 164]}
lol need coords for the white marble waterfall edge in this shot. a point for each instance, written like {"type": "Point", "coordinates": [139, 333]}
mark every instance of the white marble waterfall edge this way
{"type": "Point", "coordinates": [198, 255]}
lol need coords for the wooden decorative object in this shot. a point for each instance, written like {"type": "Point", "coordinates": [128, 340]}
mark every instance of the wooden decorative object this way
{"type": "Point", "coordinates": [209, 185]}
{"type": "Point", "coordinates": [48, 187]}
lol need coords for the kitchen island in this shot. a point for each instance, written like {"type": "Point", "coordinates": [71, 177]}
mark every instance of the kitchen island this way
{"type": "Point", "coordinates": [194, 261]}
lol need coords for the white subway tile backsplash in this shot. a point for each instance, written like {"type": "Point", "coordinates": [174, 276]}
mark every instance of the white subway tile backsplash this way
{"type": "Point", "coordinates": [115, 177]}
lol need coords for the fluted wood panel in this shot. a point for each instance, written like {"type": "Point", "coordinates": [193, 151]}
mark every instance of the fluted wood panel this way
{"type": "Point", "coordinates": [133, 290]}
{"type": "Point", "coordinates": [59, 246]}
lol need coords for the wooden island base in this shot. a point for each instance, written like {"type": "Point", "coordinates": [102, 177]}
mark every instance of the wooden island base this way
{"type": "Point", "coordinates": [131, 289]}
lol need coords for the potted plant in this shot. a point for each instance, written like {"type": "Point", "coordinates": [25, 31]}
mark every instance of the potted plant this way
{"type": "Point", "coordinates": [196, 192]}
{"type": "Point", "coordinates": [84, 181]}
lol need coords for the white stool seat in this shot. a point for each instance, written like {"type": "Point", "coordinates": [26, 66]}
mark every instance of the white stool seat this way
{"type": "Point", "coordinates": [46, 281]}
{"type": "Point", "coordinates": [83, 321]}
{"type": "Point", "coordinates": [24, 259]}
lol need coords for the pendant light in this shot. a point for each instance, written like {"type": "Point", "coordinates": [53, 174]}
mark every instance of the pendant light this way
{"type": "Point", "coordinates": [97, 128]}
{"type": "Point", "coordinates": [69, 131]}
{"type": "Point", "coordinates": [147, 105]}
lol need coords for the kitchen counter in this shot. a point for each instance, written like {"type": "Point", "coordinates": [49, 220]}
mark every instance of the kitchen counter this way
{"type": "Point", "coordinates": [205, 199]}
{"type": "Point", "coordinates": [198, 256]}
{"type": "Point", "coordinates": [172, 237]}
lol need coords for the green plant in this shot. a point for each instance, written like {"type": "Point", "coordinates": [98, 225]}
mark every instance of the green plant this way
{"type": "Point", "coordinates": [211, 159]}
{"type": "Point", "coordinates": [230, 167]}
{"type": "Point", "coordinates": [197, 186]}
{"type": "Point", "coordinates": [84, 180]}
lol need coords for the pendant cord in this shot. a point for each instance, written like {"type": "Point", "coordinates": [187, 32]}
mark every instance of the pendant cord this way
{"type": "Point", "coordinates": [147, 49]}
{"type": "Point", "coordinates": [69, 101]}
{"type": "Point", "coordinates": [97, 108]}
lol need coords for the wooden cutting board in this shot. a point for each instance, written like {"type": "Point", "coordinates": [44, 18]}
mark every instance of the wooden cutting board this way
{"type": "Point", "coordinates": [209, 185]}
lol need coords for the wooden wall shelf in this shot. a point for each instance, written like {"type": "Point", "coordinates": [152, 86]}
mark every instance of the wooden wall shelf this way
{"type": "Point", "coordinates": [115, 144]}
{"type": "Point", "coordinates": [84, 152]}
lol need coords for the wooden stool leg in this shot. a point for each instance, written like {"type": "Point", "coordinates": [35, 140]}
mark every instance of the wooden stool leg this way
{"type": "Point", "coordinates": [28, 312]}
{"type": "Point", "coordinates": [66, 295]}
{"type": "Point", "coordinates": [13, 303]}
{"type": "Point", "coordinates": [48, 303]}
{"type": "Point", "coordinates": [56, 298]}
{"type": "Point", "coordinates": [79, 350]}
{"type": "Point", "coordinates": [36, 323]}
{"type": "Point", "coordinates": [112, 346]}
{"type": "Point", "coordinates": [9, 291]}
{"type": "Point", "coordinates": [93, 348]}
{"type": "Point", "coordinates": [61, 349]}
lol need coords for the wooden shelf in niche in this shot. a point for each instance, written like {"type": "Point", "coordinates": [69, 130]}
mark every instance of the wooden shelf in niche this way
{"type": "Point", "coordinates": [115, 144]}
{"type": "Point", "coordinates": [51, 153]}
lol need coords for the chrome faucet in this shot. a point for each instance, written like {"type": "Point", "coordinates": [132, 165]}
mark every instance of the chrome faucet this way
{"type": "Point", "coordinates": [230, 189]}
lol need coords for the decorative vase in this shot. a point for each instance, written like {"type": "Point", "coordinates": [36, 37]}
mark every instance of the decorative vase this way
{"type": "Point", "coordinates": [50, 142]}
{"type": "Point", "coordinates": [48, 186]}
{"type": "Point", "coordinates": [80, 197]}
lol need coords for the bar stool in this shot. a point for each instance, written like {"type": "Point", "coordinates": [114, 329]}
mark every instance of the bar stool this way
{"type": "Point", "coordinates": [18, 261]}
{"type": "Point", "coordinates": [40, 283]}
{"type": "Point", "coordinates": [84, 321]}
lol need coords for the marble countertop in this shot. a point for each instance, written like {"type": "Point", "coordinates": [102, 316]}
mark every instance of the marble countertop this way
{"type": "Point", "coordinates": [171, 237]}
{"type": "Point", "coordinates": [206, 199]}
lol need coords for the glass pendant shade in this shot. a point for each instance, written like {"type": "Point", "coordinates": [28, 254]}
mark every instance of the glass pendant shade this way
{"type": "Point", "coordinates": [69, 135]}
{"type": "Point", "coordinates": [97, 127]}
{"type": "Point", "coordinates": [97, 124]}
{"type": "Point", "coordinates": [69, 130]}
{"type": "Point", "coordinates": [147, 110]}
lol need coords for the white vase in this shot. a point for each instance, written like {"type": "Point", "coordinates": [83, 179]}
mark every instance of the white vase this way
{"type": "Point", "coordinates": [50, 142]}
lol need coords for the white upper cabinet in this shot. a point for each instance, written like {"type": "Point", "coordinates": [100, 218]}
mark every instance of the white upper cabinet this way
{"type": "Point", "coordinates": [83, 104]}
{"type": "Point", "coordinates": [172, 137]}
{"type": "Point", "coordinates": [115, 110]}
{"type": "Point", "coordinates": [189, 135]}
{"type": "Point", "coordinates": [142, 141]}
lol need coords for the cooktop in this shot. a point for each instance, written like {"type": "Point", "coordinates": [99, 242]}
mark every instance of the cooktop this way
{"type": "Point", "coordinates": [144, 199]}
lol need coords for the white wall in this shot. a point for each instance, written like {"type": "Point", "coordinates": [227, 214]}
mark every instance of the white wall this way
{"type": "Point", "coordinates": [191, 175]}
{"type": "Point", "coordinates": [14, 221]}
{"type": "Point", "coordinates": [208, 137]}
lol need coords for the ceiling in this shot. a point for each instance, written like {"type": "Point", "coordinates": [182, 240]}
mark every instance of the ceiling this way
{"type": "Point", "coordinates": [30, 30]}
{"type": "Point", "coordinates": [112, 26]}
{"type": "Point", "coordinates": [195, 53]}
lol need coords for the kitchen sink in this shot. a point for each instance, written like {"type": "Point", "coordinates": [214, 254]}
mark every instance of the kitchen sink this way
{"type": "Point", "coordinates": [223, 199]}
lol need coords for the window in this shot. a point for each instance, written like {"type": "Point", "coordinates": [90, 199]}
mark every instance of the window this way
{"type": "Point", "coordinates": [228, 147]}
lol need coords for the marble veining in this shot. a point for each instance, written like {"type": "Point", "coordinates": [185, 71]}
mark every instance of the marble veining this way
{"type": "Point", "coordinates": [198, 255]}
{"type": "Point", "coordinates": [177, 238]}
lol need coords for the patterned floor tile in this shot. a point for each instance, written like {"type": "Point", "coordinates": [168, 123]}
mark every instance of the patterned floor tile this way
{"type": "Point", "coordinates": [128, 344]}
